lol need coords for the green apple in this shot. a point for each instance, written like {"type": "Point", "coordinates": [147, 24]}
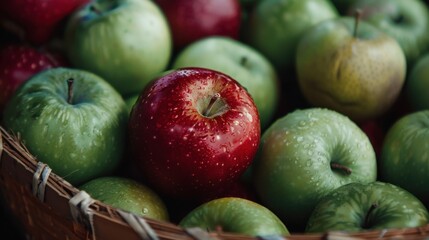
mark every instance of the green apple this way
{"type": "Point", "coordinates": [405, 21]}
{"type": "Point", "coordinates": [417, 84]}
{"type": "Point", "coordinates": [246, 65]}
{"type": "Point", "coordinates": [405, 154]}
{"type": "Point", "coordinates": [235, 215]}
{"type": "Point", "coordinates": [128, 195]}
{"type": "Point", "coordinates": [127, 42]}
{"type": "Point", "coordinates": [72, 120]}
{"type": "Point", "coordinates": [342, 5]}
{"type": "Point", "coordinates": [305, 155]}
{"type": "Point", "coordinates": [275, 27]}
{"type": "Point", "coordinates": [356, 69]}
{"type": "Point", "coordinates": [373, 206]}
{"type": "Point", "coordinates": [130, 101]}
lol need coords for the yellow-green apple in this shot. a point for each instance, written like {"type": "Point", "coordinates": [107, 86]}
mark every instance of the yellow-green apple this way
{"type": "Point", "coordinates": [192, 20]}
{"type": "Point", "coordinates": [241, 62]}
{"type": "Point", "coordinates": [404, 157]}
{"type": "Point", "coordinates": [72, 120]}
{"type": "Point", "coordinates": [305, 155]}
{"type": "Point", "coordinates": [417, 83]}
{"type": "Point", "coordinates": [275, 27]}
{"type": "Point", "coordinates": [360, 207]}
{"type": "Point", "coordinates": [126, 42]}
{"type": "Point", "coordinates": [235, 215]}
{"type": "Point", "coordinates": [36, 21]}
{"type": "Point", "coordinates": [405, 21]}
{"type": "Point", "coordinates": [129, 195]}
{"type": "Point", "coordinates": [356, 69]}
{"type": "Point", "coordinates": [192, 132]}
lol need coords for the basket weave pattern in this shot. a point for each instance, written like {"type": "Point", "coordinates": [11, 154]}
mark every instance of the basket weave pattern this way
{"type": "Point", "coordinates": [50, 215]}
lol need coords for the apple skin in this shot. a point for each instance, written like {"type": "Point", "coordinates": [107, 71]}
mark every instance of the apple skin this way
{"type": "Point", "coordinates": [360, 77]}
{"type": "Point", "coordinates": [404, 156]}
{"type": "Point", "coordinates": [295, 164]}
{"type": "Point", "coordinates": [235, 215]}
{"type": "Point", "coordinates": [184, 152]}
{"type": "Point", "coordinates": [38, 20]}
{"type": "Point", "coordinates": [405, 21]}
{"type": "Point", "coordinates": [417, 83]}
{"type": "Point", "coordinates": [79, 141]}
{"type": "Point", "coordinates": [18, 63]}
{"type": "Point", "coordinates": [126, 42]}
{"type": "Point", "coordinates": [373, 206]}
{"type": "Point", "coordinates": [241, 62]}
{"type": "Point", "coordinates": [128, 195]}
{"type": "Point", "coordinates": [192, 20]}
{"type": "Point", "coordinates": [275, 26]}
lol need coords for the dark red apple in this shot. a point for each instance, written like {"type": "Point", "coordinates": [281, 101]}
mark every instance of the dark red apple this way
{"type": "Point", "coordinates": [17, 64]}
{"type": "Point", "coordinates": [375, 132]}
{"type": "Point", "coordinates": [192, 132]}
{"type": "Point", "coordinates": [191, 20]}
{"type": "Point", "coordinates": [36, 20]}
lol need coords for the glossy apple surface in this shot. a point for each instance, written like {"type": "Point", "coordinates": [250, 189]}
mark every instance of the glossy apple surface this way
{"type": "Point", "coordinates": [235, 215]}
{"type": "Point", "coordinates": [373, 206]}
{"type": "Point", "coordinates": [305, 155]}
{"type": "Point", "coordinates": [126, 42]}
{"type": "Point", "coordinates": [78, 129]}
{"type": "Point", "coordinates": [196, 19]}
{"type": "Point", "coordinates": [193, 131]}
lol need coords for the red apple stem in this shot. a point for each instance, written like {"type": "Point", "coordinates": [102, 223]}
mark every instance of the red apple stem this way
{"type": "Point", "coordinates": [70, 82]}
{"type": "Point", "coordinates": [367, 219]}
{"type": "Point", "coordinates": [212, 102]}
{"type": "Point", "coordinates": [358, 15]}
{"type": "Point", "coordinates": [340, 167]}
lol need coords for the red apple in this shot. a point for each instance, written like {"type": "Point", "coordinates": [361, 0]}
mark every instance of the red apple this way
{"type": "Point", "coordinates": [35, 19]}
{"type": "Point", "coordinates": [191, 20]}
{"type": "Point", "coordinates": [192, 132]}
{"type": "Point", "coordinates": [375, 132]}
{"type": "Point", "coordinates": [18, 63]}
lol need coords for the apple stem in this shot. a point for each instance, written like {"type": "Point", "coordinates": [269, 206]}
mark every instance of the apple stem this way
{"type": "Point", "coordinates": [212, 102]}
{"type": "Point", "coordinates": [70, 82]}
{"type": "Point", "coordinates": [343, 168]}
{"type": "Point", "coordinates": [243, 61]}
{"type": "Point", "coordinates": [94, 8]}
{"type": "Point", "coordinates": [370, 210]}
{"type": "Point", "coordinates": [358, 15]}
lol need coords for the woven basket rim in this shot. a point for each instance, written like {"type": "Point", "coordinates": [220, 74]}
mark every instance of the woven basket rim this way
{"type": "Point", "coordinates": [12, 146]}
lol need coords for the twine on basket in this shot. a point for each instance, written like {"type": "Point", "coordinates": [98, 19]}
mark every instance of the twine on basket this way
{"type": "Point", "coordinates": [80, 211]}
{"type": "Point", "coordinates": [139, 225]}
{"type": "Point", "coordinates": [199, 234]}
{"type": "Point", "coordinates": [1, 145]}
{"type": "Point", "coordinates": [40, 178]}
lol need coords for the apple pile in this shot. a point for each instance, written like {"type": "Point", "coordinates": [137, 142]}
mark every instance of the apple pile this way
{"type": "Point", "coordinates": [258, 117]}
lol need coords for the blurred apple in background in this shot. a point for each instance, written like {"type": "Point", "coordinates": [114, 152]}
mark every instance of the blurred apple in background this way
{"type": "Point", "coordinates": [275, 27]}
{"type": "Point", "coordinates": [72, 120]}
{"type": "Point", "coordinates": [241, 62]}
{"type": "Point", "coordinates": [361, 207]}
{"type": "Point", "coordinates": [405, 21]}
{"type": "Point", "coordinates": [192, 132]}
{"type": "Point", "coordinates": [191, 20]}
{"type": "Point", "coordinates": [36, 21]}
{"type": "Point", "coordinates": [351, 67]}
{"type": "Point", "coordinates": [417, 85]}
{"type": "Point", "coordinates": [305, 155]}
{"type": "Point", "coordinates": [405, 155]}
{"type": "Point", "coordinates": [126, 42]}
{"type": "Point", "coordinates": [342, 5]}
{"type": "Point", "coordinates": [18, 63]}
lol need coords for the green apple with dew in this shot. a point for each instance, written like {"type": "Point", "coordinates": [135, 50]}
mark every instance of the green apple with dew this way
{"type": "Point", "coordinates": [127, 42]}
{"type": "Point", "coordinates": [305, 155]}
{"type": "Point", "coordinates": [360, 207]}
{"type": "Point", "coordinates": [241, 62]}
{"type": "Point", "coordinates": [235, 215]}
{"type": "Point", "coordinates": [417, 84]}
{"type": "Point", "coordinates": [274, 27]}
{"type": "Point", "coordinates": [405, 21]}
{"type": "Point", "coordinates": [128, 195]}
{"type": "Point", "coordinates": [356, 69]}
{"type": "Point", "coordinates": [405, 155]}
{"type": "Point", "coordinates": [72, 120]}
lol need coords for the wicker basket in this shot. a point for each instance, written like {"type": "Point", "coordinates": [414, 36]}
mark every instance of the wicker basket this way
{"type": "Point", "coordinates": [48, 207]}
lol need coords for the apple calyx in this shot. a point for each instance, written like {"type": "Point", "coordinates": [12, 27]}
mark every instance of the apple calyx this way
{"type": "Point", "coordinates": [216, 106]}
{"type": "Point", "coordinates": [358, 16]}
{"type": "Point", "coordinates": [341, 168]}
{"type": "Point", "coordinates": [367, 222]}
{"type": "Point", "coordinates": [70, 82]}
